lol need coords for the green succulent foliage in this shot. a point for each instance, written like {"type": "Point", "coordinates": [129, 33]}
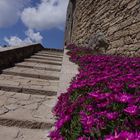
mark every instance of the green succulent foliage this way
{"type": "Point", "coordinates": [73, 129]}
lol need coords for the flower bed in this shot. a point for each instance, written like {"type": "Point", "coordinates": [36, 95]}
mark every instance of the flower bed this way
{"type": "Point", "coordinates": [103, 100]}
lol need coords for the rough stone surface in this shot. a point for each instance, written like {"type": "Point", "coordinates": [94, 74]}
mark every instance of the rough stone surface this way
{"type": "Point", "coordinates": [14, 133]}
{"type": "Point", "coordinates": [35, 73]}
{"type": "Point", "coordinates": [38, 66]}
{"type": "Point", "coordinates": [118, 20]}
{"type": "Point", "coordinates": [19, 106]}
{"type": "Point", "coordinates": [21, 81]}
{"type": "Point", "coordinates": [28, 93]}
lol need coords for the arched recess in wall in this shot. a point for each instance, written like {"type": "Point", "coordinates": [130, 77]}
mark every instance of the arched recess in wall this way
{"type": "Point", "coordinates": [69, 21]}
{"type": "Point", "coordinates": [72, 14]}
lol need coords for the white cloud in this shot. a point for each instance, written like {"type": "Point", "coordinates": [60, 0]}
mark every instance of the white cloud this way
{"type": "Point", "coordinates": [10, 11]}
{"type": "Point", "coordinates": [16, 41]}
{"type": "Point", "coordinates": [48, 14]}
{"type": "Point", "coordinates": [31, 38]}
{"type": "Point", "coordinates": [36, 37]}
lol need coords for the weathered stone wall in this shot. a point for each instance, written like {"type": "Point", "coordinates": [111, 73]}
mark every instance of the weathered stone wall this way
{"type": "Point", "coordinates": [9, 56]}
{"type": "Point", "coordinates": [119, 20]}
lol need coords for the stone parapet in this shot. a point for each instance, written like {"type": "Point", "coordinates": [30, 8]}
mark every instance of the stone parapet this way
{"type": "Point", "coordinates": [11, 55]}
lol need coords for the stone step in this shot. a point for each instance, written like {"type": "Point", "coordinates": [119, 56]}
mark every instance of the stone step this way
{"type": "Point", "coordinates": [39, 66]}
{"type": "Point", "coordinates": [43, 61]}
{"type": "Point", "coordinates": [24, 124]}
{"type": "Point", "coordinates": [39, 60]}
{"type": "Point", "coordinates": [28, 85]}
{"type": "Point", "coordinates": [48, 55]}
{"type": "Point", "coordinates": [15, 133]}
{"type": "Point", "coordinates": [47, 58]}
{"type": "Point", "coordinates": [34, 73]}
{"type": "Point", "coordinates": [27, 90]}
{"type": "Point", "coordinates": [22, 109]}
{"type": "Point", "coordinates": [51, 52]}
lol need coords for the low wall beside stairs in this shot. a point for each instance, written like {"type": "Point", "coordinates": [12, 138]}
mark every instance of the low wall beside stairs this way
{"type": "Point", "coordinates": [11, 55]}
{"type": "Point", "coordinates": [68, 72]}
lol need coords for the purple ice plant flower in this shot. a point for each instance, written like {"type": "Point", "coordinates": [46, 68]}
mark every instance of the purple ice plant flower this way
{"type": "Point", "coordinates": [83, 138]}
{"type": "Point", "coordinates": [99, 96]}
{"type": "Point", "coordinates": [55, 135]}
{"type": "Point", "coordinates": [87, 121]}
{"type": "Point", "coordinates": [101, 90]}
{"type": "Point", "coordinates": [124, 98]}
{"type": "Point", "coordinates": [103, 104]}
{"type": "Point", "coordinates": [137, 122]}
{"type": "Point", "coordinates": [62, 121]}
{"type": "Point", "coordinates": [132, 110]}
{"type": "Point", "coordinates": [89, 108]}
{"type": "Point", "coordinates": [124, 135]}
{"type": "Point", "coordinates": [112, 115]}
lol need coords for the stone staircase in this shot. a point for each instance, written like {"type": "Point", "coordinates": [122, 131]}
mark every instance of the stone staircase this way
{"type": "Point", "coordinates": [27, 95]}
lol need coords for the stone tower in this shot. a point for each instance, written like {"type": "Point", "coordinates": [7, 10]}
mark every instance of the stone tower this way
{"type": "Point", "coordinates": [118, 20]}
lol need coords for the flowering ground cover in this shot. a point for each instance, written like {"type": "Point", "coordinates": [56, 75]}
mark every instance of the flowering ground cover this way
{"type": "Point", "coordinates": [103, 100]}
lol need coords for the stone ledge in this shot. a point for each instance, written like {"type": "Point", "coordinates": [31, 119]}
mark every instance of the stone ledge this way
{"type": "Point", "coordinates": [68, 72]}
{"type": "Point", "coordinates": [12, 55]}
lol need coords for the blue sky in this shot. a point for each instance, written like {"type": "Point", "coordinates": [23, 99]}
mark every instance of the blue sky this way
{"type": "Point", "coordinates": [24, 22]}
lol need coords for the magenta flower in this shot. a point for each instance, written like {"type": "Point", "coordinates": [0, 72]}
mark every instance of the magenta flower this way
{"type": "Point", "coordinates": [112, 115]}
{"type": "Point", "coordinates": [124, 135]}
{"type": "Point", "coordinates": [83, 138]}
{"type": "Point", "coordinates": [87, 121]}
{"type": "Point", "coordinates": [124, 98]}
{"type": "Point", "coordinates": [103, 104]}
{"type": "Point", "coordinates": [55, 135]}
{"type": "Point", "coordinates": [99, 94]}
{"type": "Point", "coordinates": [89, 108]}
{"type": "Point", "coordinates": [62, 121]}
{"type": "Point", "coordinates": [132, 110]}
{"type": "Point", "coordinates": [137, 122]}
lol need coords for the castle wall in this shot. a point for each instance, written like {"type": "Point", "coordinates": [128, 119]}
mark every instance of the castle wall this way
{"type": "Point", "coordinates": [119, 20]}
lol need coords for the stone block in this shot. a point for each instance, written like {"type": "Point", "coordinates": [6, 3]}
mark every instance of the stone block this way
{"type": "Point", "coordinates": [128, 40]}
